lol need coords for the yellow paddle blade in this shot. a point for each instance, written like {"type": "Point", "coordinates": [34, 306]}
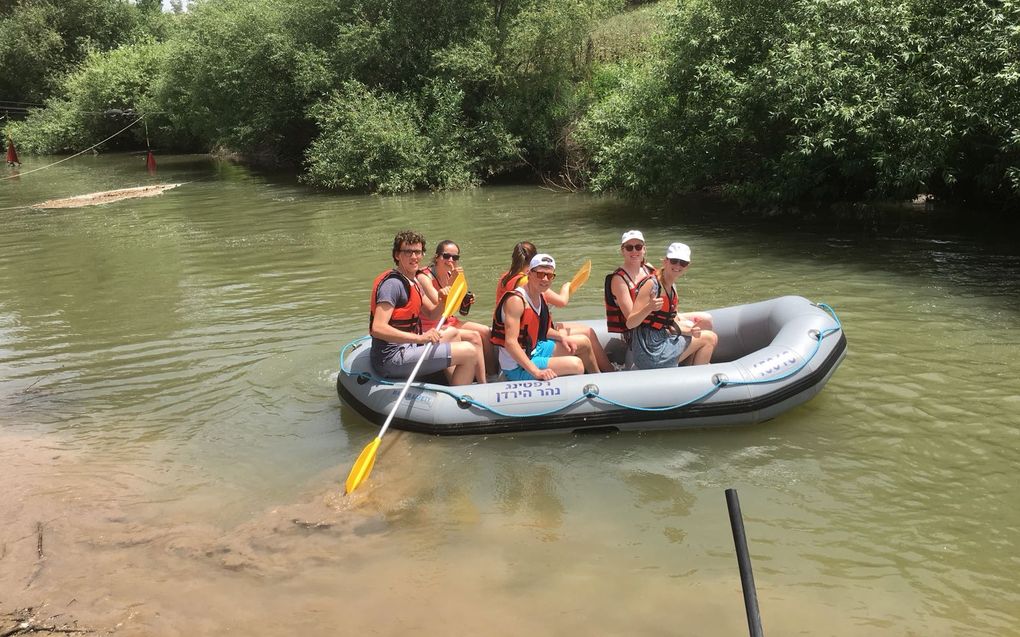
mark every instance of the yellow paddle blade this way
{"type": "Point", "coordinates": [457, 291]}
{"type": "Point", "coordinates": [363, 466]}
{"type": "Point", "coordinates": [581, 276]}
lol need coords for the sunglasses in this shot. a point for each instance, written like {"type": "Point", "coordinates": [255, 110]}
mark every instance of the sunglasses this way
{"type": "Point", "coordinates": [634, 247]}
{"type": "Point", "coordinates": [448, 256]}
{"type": "Point", "coordinates": [411, 253]}
{"type": "Point", "coordinates": [679, 262]}
{"type": "Point", "coordinates": [544, 275]}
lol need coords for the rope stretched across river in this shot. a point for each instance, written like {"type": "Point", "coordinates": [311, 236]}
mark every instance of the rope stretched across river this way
{"type": "Point", "coordinates": [60, 161]}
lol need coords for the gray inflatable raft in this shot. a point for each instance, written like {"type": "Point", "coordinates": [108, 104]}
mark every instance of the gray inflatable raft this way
{"type": "Point", "coordinates": [772, 356]}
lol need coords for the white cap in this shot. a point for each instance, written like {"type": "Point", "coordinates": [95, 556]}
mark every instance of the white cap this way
{"type": "Point", "coordinates": [540, 260]}
{"type": "Point", "coordinates": [678, 251]}
{"type": "Point", "coordinates": [632, 234]}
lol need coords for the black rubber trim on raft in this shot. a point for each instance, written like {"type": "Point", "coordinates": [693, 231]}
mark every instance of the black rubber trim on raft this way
{"type": "Point", "coordinates": [571, 422]}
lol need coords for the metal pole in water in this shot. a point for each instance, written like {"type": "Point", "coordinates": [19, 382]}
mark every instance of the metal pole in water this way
{"type": "Point", "coordinates": [744, 562]}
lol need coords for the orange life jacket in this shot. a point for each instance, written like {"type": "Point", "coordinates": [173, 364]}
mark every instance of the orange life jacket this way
{"type": "Point", "coordinates": [427, 323]}
{"type": "Point", "coordinates": [406, 318]}
{"type": "Point", "coordinates": [661, 318]}
{"type": "Point", "coordinates": [615, 320]}
{"type": "Point", "coordinates": [515, 282]}
{"type": "Point", "coordinates": [534, 326]}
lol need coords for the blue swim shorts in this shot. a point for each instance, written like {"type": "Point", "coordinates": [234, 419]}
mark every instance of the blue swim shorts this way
{"type": "Point", "coordinates": [539, 356]}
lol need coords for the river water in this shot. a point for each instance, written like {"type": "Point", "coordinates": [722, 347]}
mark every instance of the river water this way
{"type": "Point", "coordinates": [172, 446]}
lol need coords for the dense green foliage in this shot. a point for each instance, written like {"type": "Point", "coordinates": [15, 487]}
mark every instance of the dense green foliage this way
{"type": "Point", "coordinates": [110, 92]}
{"type": "Point", "coordinates": [818, 100]}
{"type": "Point", "coordinates": [776, 103]}
{"type": "Point", "coordinates": [40, 40]}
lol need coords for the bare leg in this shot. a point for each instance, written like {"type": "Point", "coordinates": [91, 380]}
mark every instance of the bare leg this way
{"type": "Point", "coordinates": [701, 319]}
{"type": "Point", "coordinates": [487, 348]}
{"type": "Point", "coordinates": [566, 365]}
{"type": "Point", "coordinates": [470, 336]}
{"type": "Point", "coordinates": [583, 352]}
{"type": "Point", "coordinates": [601, 360]}
{"type": "Point", "coordinates": [465, 358]}
{"type": "Point", "coordinates": [701, 348]}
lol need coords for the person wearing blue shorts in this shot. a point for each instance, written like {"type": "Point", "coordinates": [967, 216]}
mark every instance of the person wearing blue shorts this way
{"type": "Point", "coordinates": [528, 346]}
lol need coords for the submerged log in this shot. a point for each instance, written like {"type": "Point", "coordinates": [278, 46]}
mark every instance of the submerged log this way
{"type": "Point", "coordinates": [107, 196]}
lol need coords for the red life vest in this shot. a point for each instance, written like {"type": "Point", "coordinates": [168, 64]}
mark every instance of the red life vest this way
{"type": "Point", "coordinates": [662, 318]}
{"type": "Point", "coordinates": [406, 318]}
{"type": "Point", "coordinates": [515, 282]}
{"type": "Point", "coordinates": [427, 323]}
{"type": "Point", "coordinates": [534, 326]}
{"type": "Point", "coordinates": [615, 320]}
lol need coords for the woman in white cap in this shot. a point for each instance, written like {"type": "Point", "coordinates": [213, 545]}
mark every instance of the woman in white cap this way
{"type": "Point", "coordinates": [621, 285]}
{"type": "Point", "coordinates": [659, 338]}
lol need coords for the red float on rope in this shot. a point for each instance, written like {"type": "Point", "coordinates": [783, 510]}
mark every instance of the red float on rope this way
{"type": "Point", "coordinates": [150, 163]}
{"type": "Point", "coordinates": [12, 154]}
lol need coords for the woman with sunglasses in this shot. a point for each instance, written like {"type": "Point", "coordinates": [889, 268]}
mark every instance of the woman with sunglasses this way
{"type": "Point", "coordinates": [660, 338]}
{"type": "Point", "coordinates": [517, 276]}
{"type": "Point", "coordinates": [436, 280]}
{"type": "Point", "coordinates": [621, 285]}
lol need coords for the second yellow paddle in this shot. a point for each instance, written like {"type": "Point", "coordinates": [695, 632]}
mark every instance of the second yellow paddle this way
{"type": "Point", "coordinates": [581, 276]}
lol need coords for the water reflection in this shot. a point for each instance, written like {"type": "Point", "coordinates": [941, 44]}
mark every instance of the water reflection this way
{"type": "Point", "coordinates": [179, 353]}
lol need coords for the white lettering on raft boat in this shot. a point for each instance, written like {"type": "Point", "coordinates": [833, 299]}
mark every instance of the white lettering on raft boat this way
{"type": "Point", "coordinates": [774, 364]}
{"type": "Point", "coordinates": [416, 398]}
{"type": "Point", "coordinates": [527, 391]}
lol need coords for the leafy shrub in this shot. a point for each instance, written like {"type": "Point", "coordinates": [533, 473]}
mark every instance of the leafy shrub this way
{"type": "Point", "coordinates": [818, 100]}
{"type": "Point", "coordinates": [40, 40]}
{"type": "Point", "coordinates": [109, 91]}
{"type": "Point", "coordinates": [381, 142]}
{"type": "Point", "coordinates": [368, 141]}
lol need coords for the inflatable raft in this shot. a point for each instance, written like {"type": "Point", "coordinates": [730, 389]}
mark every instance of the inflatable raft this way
{"type": "Point", "coordinates": [772, 356]}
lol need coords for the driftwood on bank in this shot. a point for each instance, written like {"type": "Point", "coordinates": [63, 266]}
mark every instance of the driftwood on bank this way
{"type": "Point", "coordinates": [107, 196]}
{"type": "Point", "coordinates": [24, 621]}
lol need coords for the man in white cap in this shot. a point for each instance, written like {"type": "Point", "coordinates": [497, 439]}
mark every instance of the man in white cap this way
{"type": "Point", "coordinates": [528, 346]}
{"type": "Point", "coordinates": [661, 337]}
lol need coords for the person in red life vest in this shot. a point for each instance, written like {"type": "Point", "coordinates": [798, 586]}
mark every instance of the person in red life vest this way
{"type": "Point", "coordinates": [517, 275]}
{"type": "Point", "coordinates": [435, 281]}
{"type": "Point", "coordinates": [395, 311]}
{"type": "Point", "coordinates": [659, 338]}
{"type": "Point", "coordinates": [621, 286]}
{"type": "Point", "coordinates": [528, 346]}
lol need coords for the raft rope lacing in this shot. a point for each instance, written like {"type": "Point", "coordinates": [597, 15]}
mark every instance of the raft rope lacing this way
{"type": "Point", "coordinates": [717, 382]}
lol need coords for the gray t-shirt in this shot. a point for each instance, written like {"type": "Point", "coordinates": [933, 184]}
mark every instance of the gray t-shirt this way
{"type": "Point", "coordinates": [394, 292]}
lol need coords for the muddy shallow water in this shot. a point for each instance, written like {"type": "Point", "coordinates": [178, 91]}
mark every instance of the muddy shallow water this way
{"type": "Point", "coordinates": [172, 446]}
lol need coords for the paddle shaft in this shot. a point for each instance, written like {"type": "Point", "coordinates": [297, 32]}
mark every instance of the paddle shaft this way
{"type": "Point", "coordinates": [744, 562]}
{"type": "Point", "coordinates": [363, 465]}
{"type": "Point", "coordinates": [410, 379]}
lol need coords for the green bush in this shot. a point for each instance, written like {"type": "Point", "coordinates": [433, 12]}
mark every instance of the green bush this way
{"type": "Point", "coordinates": [381, 142]}
{"type": "Point", "coordinates": [368, 141]}
{"type": "Point", "coordinates": [234, 77]}
{"type": "Point", "coordinates": [41, 40]}
{"type": "Point", "coordinates": [818, 100]}
{"type": "Point", "coordinates": [109, 91]}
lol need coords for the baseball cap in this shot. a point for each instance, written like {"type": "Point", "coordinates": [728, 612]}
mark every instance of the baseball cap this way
{"type": "Point", "coordinates": [632, 234]}
{"type": "Point", "coordinates": [542, 260]}
{"type": "Point", "coordinates": [678, 251]}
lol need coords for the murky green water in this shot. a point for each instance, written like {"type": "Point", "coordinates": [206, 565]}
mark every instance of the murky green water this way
{"type": "Point", "coordinates": [168, 412]}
